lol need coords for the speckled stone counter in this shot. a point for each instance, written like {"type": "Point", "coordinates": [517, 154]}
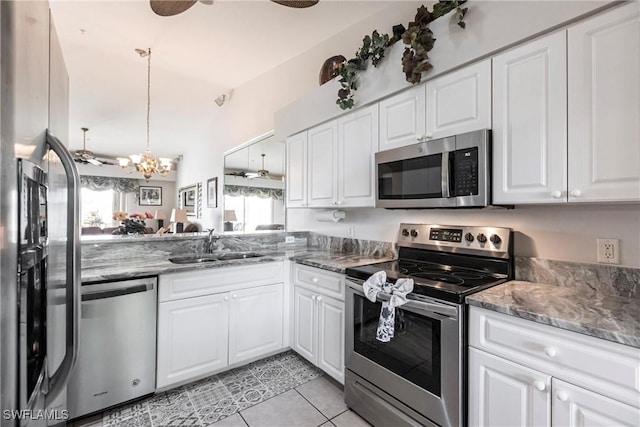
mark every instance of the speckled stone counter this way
{"type": "Point", "coordinates": [609, 317]}
{"type": "Point", "coordinates": [125, 257]}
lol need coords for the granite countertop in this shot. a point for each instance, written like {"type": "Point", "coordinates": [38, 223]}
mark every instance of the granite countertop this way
{"type": "Point", "coordinates": [611, 318]}
{"type": "Point", "coordinates": [93, 271]}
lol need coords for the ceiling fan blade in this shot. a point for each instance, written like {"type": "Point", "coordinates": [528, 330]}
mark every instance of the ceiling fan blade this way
{"type": "Point", "coordinates": [298, 4]}
{"type": "Point", "coordinates": [94, 161]}
{"type": "Point", "coordinates": [170, 7]}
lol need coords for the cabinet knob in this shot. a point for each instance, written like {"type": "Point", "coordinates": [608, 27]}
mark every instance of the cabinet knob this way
{"type": "Point", "coordinates": [550, 351]}
{"type": "Point", "coordinates": [318, 298]}
{"type": "Point", "coordinates": [562, 395]}
{"type": "Point", "coordinates": [540, 385]}
{"type": "Point", "coordinates": [226, 298]}
{"type": "Point", "coordinates": [420, 138]}
{"type": "Point", "coordinates": [338, 203]}
{"type": "Point", "coordinates": [315, 280]}
{"type": "Point", "coordinates": [576, 193]}
{"type": "Point", "coordinates": [313, 297]}
{"type": "Point", "coordinates": [428, 136]}
{"type": "Point", "coordinates": [556, 194]}
{"type": "Point", "coordinates": [234, 296]}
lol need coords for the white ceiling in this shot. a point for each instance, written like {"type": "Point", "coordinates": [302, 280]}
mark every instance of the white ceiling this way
{"type": "Point", "coordinates": [196, 56]}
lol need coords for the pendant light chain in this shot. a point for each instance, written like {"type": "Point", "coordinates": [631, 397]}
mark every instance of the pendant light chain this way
{"type": "Point", "coordinates": [148, 95]}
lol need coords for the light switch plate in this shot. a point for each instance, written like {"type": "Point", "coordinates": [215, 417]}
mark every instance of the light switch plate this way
{"type": "Point", "coordinates": [289, 239]}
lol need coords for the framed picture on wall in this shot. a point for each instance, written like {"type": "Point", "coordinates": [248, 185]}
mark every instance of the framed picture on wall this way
{"type": "Point", "coordinates": [150, 196]}
{"type": "Point", "coordinates": [212, 192]}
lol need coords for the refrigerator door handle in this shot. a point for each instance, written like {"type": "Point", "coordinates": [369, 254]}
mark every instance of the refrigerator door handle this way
{"type": "Point", "coordinates": [58, 380]}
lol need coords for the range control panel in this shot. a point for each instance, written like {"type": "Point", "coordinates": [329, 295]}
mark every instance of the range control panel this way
{"type": "Point", "coordinates": [450, 237]}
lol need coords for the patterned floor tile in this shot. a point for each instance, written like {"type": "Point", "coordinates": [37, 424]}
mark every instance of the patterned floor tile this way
{"type": "Point", "coordinates": [217, 411]}
{"type": "Point", "coordinates": [252, 396]}
{"type": "Point", "coordinates": [282, 383]}
{"type": "Point", "coordinates": [243, 383]}
{"type": "Point", "coordinates": [208, 383]}
{"type": "Point", "coordinates": [307, 374]}
{"type": "Point", "coordinates": [173, 409]}
{"type": "Point", "coordinates": [121, 414]}
{"type": "Point", "coordinates": [207, 397]}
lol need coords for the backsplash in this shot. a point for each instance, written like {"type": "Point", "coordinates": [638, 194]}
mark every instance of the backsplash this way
{"type": "Point", "coordinates": [591, 278]}
{"type": "Point", "coordinates": [355, 246]}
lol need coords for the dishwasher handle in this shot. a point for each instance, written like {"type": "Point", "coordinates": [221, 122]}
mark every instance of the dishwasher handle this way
{"type": "Point", "coordinates": [111, 293]}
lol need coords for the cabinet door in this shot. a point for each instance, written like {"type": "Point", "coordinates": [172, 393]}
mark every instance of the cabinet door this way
{"type": "Point", "coordinates": [460, 101]}
{"type": "Point", "coordinates": [503, 393]}
{"type": "Point", "coordinates": [331, 336]}
{"type": "Point", "coordinates": [576, 407]}
{"type": "Point", "coordinates": [357, 142]}
{"type": "Point", "coordinates": [604, 107]}
{"type": "Point", "coordinates": [402, 118]}
{"type": "Point", "coordinates": [192, 338]}
{"type": "Point", "coordinates": [296, 173]}
{"type": "Point", "coordinates": [323, 165]}
{"type": "Point", "coordinates": [304, 323]}
{"type": "Point", "coordinates": [255, 322]}
{"type": "Point", "coordinates": [530, 123]}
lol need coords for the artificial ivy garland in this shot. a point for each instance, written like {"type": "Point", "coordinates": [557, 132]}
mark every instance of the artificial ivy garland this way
{"type": "Point", "coordinates": [418, 39]}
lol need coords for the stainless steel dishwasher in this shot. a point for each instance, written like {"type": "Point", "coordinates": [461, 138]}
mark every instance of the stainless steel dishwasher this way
{"type": "Point", "coordinates": [117, 354]}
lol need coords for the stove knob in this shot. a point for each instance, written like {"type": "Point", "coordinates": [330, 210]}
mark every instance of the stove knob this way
{"type": "Point", "coordinates": [495, 239]}
{"type": "Point", "coordinates": [414, 233]}
{"type": "Point", "coordinates": [481, 238]}
{"type": "Point", "coordinates": [405, 232]}
{"type": "Point", "coordinates": [468, 237]}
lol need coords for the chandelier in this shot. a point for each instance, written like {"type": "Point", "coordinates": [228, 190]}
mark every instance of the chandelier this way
{"type": "Point", "coordinates": [147, 163]}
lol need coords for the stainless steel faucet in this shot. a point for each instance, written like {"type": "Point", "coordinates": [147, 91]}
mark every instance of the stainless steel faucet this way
{"type": "Point", "coordinates": [211, 241]}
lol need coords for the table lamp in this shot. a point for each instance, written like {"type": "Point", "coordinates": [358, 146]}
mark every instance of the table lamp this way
{"type": "Point", "coordinates": [179, 217]}
{"type": "Point", "coordinates": [229, 217]}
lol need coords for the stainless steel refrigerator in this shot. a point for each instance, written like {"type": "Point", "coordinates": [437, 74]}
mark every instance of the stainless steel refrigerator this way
{"type": "Point", "coordinates": [39, 232]}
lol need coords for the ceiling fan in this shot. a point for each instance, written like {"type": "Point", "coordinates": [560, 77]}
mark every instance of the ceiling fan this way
{"type": "Point", "coordinates": [86, 156]}
{"type": "Point", "coordinates": [175, 7]}
{"type": "Point", "coordinates": [262, 173]}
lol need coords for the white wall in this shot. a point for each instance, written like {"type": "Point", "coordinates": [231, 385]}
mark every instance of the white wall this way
{"type": "Point", "coordinates": [558, 232]}
{"type": "Point", "coordinates": [169, 199]}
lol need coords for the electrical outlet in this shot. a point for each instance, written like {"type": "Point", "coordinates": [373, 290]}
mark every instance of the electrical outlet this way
{"type": "Point", "coordinates": [351, 231]}
{"type": "Point", "coordinates": [289, 239]}
{"type": "Point", "coordinates": [609, 251]}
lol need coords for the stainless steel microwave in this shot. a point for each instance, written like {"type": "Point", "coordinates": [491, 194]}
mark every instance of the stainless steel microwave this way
{"type": "Point", "coordinates": [452, 172]}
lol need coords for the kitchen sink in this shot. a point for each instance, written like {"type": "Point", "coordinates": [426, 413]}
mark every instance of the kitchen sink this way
{"type": "Point", "coordinates": [201, 258]}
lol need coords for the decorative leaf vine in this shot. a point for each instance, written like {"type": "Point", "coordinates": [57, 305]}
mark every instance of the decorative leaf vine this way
{"type": "Point", "coordinates": [419, 39]}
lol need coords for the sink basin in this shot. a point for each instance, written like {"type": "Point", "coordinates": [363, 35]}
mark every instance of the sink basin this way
{"type": "Point", "coordinates": [193, 259]}
{"type": "Point", "coordinates": [238, 255]}
{"type": "Point", "coordinates": [200, 258]}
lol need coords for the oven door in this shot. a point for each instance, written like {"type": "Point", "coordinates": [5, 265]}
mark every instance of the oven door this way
{"type": "Point", "coordinates": [420, 366]}
{"type": "Point", "coordinates": [415, 176]}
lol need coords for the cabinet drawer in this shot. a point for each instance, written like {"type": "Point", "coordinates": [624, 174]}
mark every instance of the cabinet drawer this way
{"type": "Point", "coordinates": [205, 282]}
{"type": "Point", "coordinates": [602, 366]}
{"type": "Point", "coordinates": [331, 284]}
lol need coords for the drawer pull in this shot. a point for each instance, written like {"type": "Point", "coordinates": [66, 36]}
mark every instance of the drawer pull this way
{"type": "Point", "coordinates": [562, 395]}
{"type": "Point", "coordinates": [315, 280]}
{"type": "Point", "coordinates": [540, 385]}
{"type": "Point", "coordinates": [550, 351]}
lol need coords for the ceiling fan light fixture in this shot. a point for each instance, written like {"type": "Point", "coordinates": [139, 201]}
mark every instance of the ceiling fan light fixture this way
{"type": "Point", "coordinates": [170, 7]}
{"type": "Point", "coordinates": [123, 162]}
{"type": "Point", "coordinates": [297, 4]}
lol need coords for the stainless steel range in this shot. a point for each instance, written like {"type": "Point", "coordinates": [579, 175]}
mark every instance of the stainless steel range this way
{"type": "Point", "coordinates": [419, 377]}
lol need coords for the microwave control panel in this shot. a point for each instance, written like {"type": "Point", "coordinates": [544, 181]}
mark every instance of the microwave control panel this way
{"type": "Point", "coordinates": [465, 175]}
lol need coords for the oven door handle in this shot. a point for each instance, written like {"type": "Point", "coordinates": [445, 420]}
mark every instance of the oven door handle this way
{"type": "Point", "coordinates": [432, 309]}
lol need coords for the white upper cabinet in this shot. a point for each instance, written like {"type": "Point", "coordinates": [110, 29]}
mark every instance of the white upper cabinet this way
{"type": "Point", "coordinates": [357, 143]}
{"type": "Point", "coordinates": [460, 101]}
{"type": "Point", "coordinates": [322, 148]}
{"type": "Point", "coordinates": [402, 118]}
{"type": "Point", "coordinates": [604, 107]}
{"type": "Point", "coordinates": [530, 122]}
{"type": "Point", "coordinates": [296, 172]}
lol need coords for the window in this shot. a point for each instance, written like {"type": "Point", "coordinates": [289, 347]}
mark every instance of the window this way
{"type": "Point", "coordinates": [97, 207]}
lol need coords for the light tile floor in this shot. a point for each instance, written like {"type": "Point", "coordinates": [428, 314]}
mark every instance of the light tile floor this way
{"type": "Point", "coordinates": [281, 390]}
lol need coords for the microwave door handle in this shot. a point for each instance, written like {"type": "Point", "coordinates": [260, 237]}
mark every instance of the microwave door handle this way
{"type": "Point", "coordinates": [445, 175]}
{"type": "Point", "coordinates": [59, 379]}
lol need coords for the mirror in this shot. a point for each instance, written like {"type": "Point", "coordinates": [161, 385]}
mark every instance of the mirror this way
{"type": "Point", "coordinates": [189, 199]}
{"type": "Point", "coordinates": [254, 186]}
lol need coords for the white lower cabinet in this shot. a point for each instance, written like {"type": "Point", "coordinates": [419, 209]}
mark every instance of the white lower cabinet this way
{"type": "Point", "coordinates": [255, 322]}
{"type": "Point", "coordinates": [192, 338]}
{"type": "Point", "coordinates": [318, 319]}
{"type": "Point", "coordinates": [538, 375]}
{"type": "Point", "coordinates": [211, 319]}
